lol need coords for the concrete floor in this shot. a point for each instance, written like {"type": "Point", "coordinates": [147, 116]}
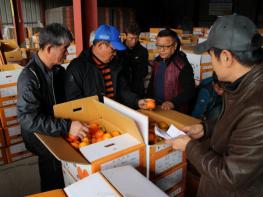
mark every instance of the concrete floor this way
{"type": "Point", "coordinates": [19, 178]}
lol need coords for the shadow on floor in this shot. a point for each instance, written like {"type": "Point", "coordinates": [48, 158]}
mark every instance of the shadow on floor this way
{"type": "Point", "coordinates": [20, 178]}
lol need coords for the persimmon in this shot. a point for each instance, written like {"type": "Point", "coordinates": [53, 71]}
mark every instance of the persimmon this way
{"type": "Point", "coordinates": [99, 139]}
{"type": "Point", "coordinates": [106, 136]}
{"type": "Point", "coordinates": [75, 145]}
{"type": "Point", "coordinates": [115, 133]}
{"type": "Point", "coordinates": [150, 104]}
{"type": "Point", "coordinates": [99, 134]}
{"type": "Point", "coordinates": [72, 137]}
{"type": "Point", "coordinates": [85, 139]}
{"type": "Point", "coordinates": [93, 127]}
{"type": "Point", "coordinates": [82, 144]}
{"type": "Point", "coordinates": [163, 125]}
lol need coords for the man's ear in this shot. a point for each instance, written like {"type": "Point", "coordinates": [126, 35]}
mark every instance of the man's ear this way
{"type": "Point", "coordinates": [48, 48]}
{"type": "Point", "coordinates": [226, 58]}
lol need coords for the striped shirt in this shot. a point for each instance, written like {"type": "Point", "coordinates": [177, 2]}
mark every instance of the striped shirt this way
{"type": "Point", "coordinates": [106, 73]}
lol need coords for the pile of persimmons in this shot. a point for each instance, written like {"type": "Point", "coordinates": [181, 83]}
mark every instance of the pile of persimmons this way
{"type": "Point", "coordinates": [96, 134]}
{"type": "Point", "coordinates": [153, 139]}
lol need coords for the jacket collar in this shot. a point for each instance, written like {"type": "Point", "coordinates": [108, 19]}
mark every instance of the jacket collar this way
{"type": "Point", "coordinates": [246, 82]}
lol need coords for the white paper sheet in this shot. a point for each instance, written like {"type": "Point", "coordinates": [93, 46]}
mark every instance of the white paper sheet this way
{"type": "Point", "coordinates": [172, 132]}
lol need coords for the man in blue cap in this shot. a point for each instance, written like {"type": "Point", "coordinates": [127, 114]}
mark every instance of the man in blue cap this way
{"type": "Point", "coordinates": [97, 72]}
{"type": "Point", "coordinates": [227, 152]}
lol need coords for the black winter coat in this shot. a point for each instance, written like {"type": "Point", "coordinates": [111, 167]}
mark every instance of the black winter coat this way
{"type": "Point", "coordinates": [84, 79]}
{"type": "Point", "coordinates": [135, 65]}
{"type": "Point", "coordinates": [38, 90]}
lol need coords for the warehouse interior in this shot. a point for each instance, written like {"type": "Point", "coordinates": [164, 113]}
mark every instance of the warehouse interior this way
{"type": "Point", "coordinates": [21, 21]}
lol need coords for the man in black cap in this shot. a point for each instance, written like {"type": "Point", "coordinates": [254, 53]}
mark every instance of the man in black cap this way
{"type": "Point", "coordinates": [230, 160]}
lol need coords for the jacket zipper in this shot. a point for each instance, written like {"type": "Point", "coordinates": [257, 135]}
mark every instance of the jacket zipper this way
{"type": "Point", "coordinates": [52, 88]}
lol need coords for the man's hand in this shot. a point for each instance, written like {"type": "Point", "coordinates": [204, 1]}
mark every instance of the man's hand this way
{"type": "Point", "coordinates": [179, 143]}
{"type": "Point", "coordinates": [142, 104]}
{"type": "Point", "coordinates": [166, 105]}
{"type": "Point", "coordinates": [195, 131]}
{"type": "Point", "coordinates": [78, 129]}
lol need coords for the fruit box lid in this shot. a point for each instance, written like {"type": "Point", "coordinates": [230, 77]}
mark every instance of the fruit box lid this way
{"type": "Point", "coordinates": [86, 109]}
{"type": "Point", "coordinates": [114, 182]}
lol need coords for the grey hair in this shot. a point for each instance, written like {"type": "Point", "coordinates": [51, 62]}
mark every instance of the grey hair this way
{"type": "Point", "coordinates": [54, 34]}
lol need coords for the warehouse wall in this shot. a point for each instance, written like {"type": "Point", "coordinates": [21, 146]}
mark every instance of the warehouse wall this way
{"type": "Point", "coordinates": [30, 9]}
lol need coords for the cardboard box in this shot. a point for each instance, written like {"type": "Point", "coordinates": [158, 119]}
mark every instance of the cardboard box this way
{"type": "Point", "coordinates": [8, 115]}
{"type": "Point", "coordinates": [11, 50]}
{"type": "Point", "coordinates": [9, 73]}
{"type": "Point", "coordinates": [16, 152]}
{"type": "Point", "coordinates": [173, 182]}
{"type": "Point", "coordinates": [72, 49]}
{"type": "Point", "coordinates": [162, 156]}
{"type": "Point", "coordinates": [159, 157]}
{"type": "Point", "coordinates": [13, 134]}
{"type": "Point", "coordinates": [126, 149]}
{"type": "Point", "coordinates": [52, 193]}
{"type": "Point", "coordinates": [2, 138]}
{"type": "Point", "coordinates": [8, 83]}
{"type": "Point", "coordinates": [201, 64]}
{"type": "Point", "coordinates": [113, 182]}
{"type": "Point", "coordinates": [3, 159]}
{"type": "Point", "coordinates": [9, 100]}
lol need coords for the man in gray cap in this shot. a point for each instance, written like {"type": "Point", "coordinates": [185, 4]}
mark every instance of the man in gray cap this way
{"type": "Point", "coordinates": [228, 152]}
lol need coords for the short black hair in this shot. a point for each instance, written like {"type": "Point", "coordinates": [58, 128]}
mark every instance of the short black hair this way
{"type": "Point", "coordinates": [54, 34]}
{"type": "Point", "coordinates": [133, 28]}
{"type": "Point", "coordinates": [246, 58]}
{"type": "Point", "coordinates": [170, 33]}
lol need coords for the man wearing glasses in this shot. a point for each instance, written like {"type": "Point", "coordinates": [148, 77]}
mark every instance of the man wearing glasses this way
{"type": "Point", "coordinates": [135, 60]}
{"type": "Point", "coordinates": [172, 82]}
{"type": "Point", "coordinates": [97, 72]}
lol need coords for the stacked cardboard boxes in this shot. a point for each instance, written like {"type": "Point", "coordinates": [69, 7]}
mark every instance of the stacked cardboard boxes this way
{"type": "Point", "coordinates": [165, 167]}
{"type": "Point", "coordinates": [201, 64]}
{"type": "Point", "coordinates": [12, 145]}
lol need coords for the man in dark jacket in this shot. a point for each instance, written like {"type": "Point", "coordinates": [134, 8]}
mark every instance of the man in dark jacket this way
{"type": "Point", "coordinates": [40, 86]}
{"type": "Point", "coordinates": [230, 160]}
{"type": "Point", "coordinates": [97, 72]}
{"type": "Point", "coordinates": [135, 59]}
{"type": "Point", "coordinates": [172, 82]}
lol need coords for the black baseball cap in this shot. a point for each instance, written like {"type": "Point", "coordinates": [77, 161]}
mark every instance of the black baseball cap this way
{"type": "Point", "coordinates": [233, 33]}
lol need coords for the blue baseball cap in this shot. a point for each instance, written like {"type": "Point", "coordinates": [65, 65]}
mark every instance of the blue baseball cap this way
{"type": "Point", "coordinates": [111, 34]}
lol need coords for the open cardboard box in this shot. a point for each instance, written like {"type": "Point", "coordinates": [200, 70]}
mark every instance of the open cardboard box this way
{"type": "Point", "coordinates": [112, 182]}
{"type": "Point", "coordinates": [8, 79]}
{"type": "Point", "coordinates": [125, 149]}
{"type": "Point", "coordinates": [159, 157]}
{"type": "Point", "coordinates": [11, 50]}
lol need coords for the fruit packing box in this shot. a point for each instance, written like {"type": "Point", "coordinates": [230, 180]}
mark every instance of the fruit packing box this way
{"type": "Point", "coordinates": [112, 182]}
{"type": "Point", "coordinates": [160, 157]}
{"type": "Point", "coordinates": [125, 149]}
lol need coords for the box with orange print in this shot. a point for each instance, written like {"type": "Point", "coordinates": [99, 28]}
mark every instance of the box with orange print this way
{"type": "Point", "coordinates": [160, 157]}
{"type": "Point", "coordinates": [125, 149]}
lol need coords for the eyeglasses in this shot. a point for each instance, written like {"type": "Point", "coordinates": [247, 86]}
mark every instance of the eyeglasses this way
{"type": "Point", "coordinates": [164, 47]}
{"type": "Point", "coordinates": [132, 38]}
{"type": "Point", "coordinates": [112, 49]}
